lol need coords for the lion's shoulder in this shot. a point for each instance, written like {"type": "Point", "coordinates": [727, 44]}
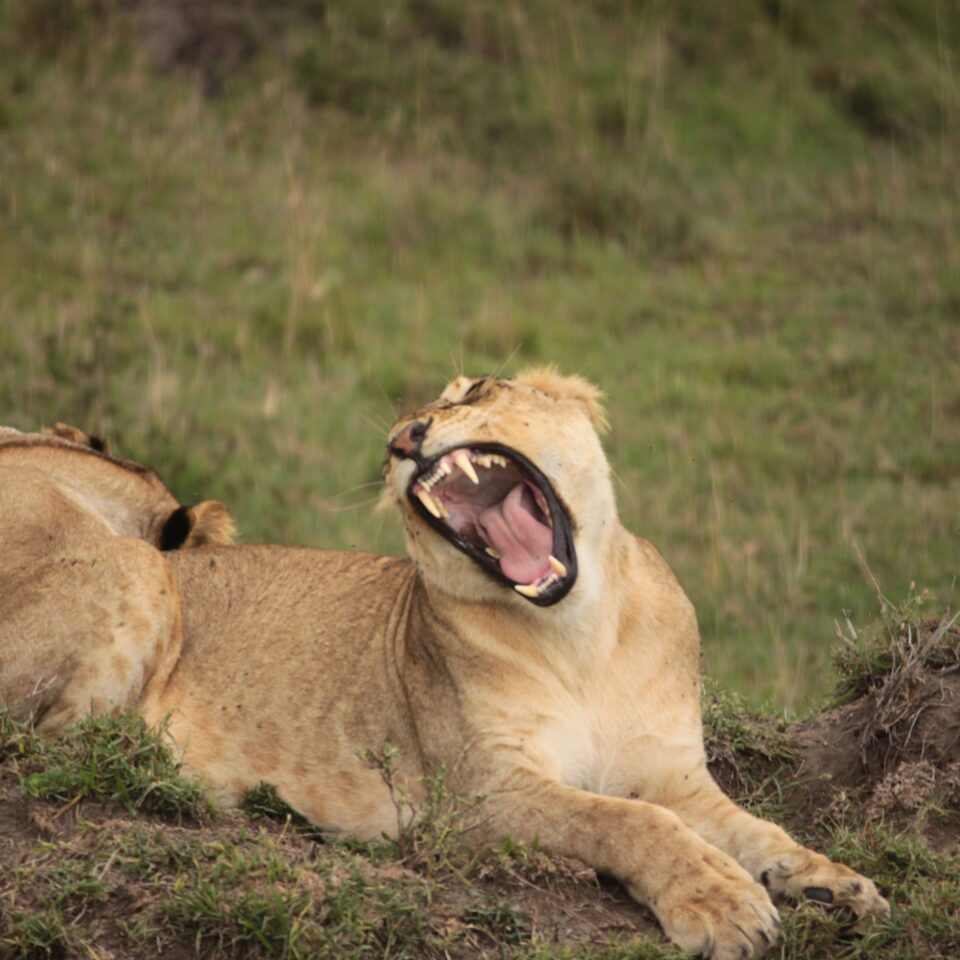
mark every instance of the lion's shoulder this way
{"type": "Point", "coordinates": [655, 585]}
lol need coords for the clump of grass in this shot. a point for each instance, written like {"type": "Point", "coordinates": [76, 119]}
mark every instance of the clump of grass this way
{"type": "Point", "coordinates": [264, 801]}
{"type": "Point", "coordinates": [117, 760]}
{"type": "Point", "coordinates": [750, 747]}
{"type": "Point", "coordinates": [227, 923]}
{"type": "Point", "coordinates": [901, 650]}
{"type": "Point", "coordinates": [923, 887]}
{"type": "Point", "coordinates": [31, 935]}
{"type": "Point", "coordinates": [152, 854]}
{"type": "Point", "coordinates": [501, 920]}
{"type": "Point", "coordinates": [892, 670]}
{"type": "Point", "coordinates": [64, 882]}
{"type": "Point", "coordinates": [628, 948]}
{"type": "Point", "coordinates": [251, 900]}
{"type": "Point", "coordinates": [16, 739]}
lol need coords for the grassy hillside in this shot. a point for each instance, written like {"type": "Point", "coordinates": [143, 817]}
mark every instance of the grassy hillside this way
{"type": "Point", "coordinates": [106, 853]}
{"type": "Point", "coordinates": [235, 239]}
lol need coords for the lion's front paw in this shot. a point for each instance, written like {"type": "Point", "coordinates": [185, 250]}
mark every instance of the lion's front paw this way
{"type": "Point", "coordinates": [718, 912]}
{"type": "Point", "coordinates": [803, 873]}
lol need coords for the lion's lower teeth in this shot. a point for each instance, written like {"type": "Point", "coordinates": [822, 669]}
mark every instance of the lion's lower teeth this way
{"type": "Point", "coordinates": [492, 552]}
{"type": "Point", "coordinates": [535, 589]}
{"type": "Point", "coordinates": [424, 497]}
{"type": "Point", "coordinates": [558, 568]}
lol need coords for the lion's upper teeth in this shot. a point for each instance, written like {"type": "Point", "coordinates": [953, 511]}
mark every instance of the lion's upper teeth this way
{"type": "Point", "coordinates": [462, 460]}
{"type": "Point", "coordinates": [492, 552]}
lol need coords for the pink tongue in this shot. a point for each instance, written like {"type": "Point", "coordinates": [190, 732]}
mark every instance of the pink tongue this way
{"type": "Point", "coordinates": [524, 543]}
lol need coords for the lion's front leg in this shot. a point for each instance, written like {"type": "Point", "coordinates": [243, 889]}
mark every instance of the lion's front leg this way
{"type": "Point", "coordinates": [705, 901]}
{"type": "Point", "coordinates": [769, 853]}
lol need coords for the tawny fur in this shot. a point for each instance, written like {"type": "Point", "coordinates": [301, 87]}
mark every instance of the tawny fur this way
{"type": "Point", "coordinates": [89, 612]}
{"type": "Point", "coordinates": [579, 723]}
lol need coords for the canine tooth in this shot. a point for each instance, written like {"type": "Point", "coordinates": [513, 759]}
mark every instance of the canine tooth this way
{"type": "Point", "coordinates": [424, 497]}
{"type": "Point", "coordinates": [492, 552]}
{"type": "Point", "coordinates": [558, 568]}
{"type": "Point", "coordinates": [527, 589]}
{"type": "Point", "coordinates": [463, 462]}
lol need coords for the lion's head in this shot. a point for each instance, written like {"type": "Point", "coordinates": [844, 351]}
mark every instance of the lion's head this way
{"type": "Point", "coordinates": [511, 474]}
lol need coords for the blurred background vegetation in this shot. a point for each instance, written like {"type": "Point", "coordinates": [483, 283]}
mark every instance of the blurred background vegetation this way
{"type": "Point", "coordinates": [237, 237]}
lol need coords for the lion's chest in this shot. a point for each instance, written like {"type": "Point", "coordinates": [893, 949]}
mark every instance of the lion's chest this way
{"type": "Point", "coordinates": [616, 734]}
{"type": "Point", "coordinates": [573, 746]}
{"type": "Point", "coordinates": [583, 746]}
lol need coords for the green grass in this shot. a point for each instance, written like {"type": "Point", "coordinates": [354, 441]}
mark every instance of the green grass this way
{"type": "Point", "coordinates": [115, 759]}
{"type": "Point", "coordinates": [743, 225]}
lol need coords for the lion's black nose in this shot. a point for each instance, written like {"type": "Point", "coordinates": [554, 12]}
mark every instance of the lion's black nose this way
{"type": "Point", "coordinates": [409, 440]}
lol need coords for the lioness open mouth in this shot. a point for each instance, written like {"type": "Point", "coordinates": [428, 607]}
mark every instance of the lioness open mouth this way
{"type": "Point", "coordinates": [493, 504]}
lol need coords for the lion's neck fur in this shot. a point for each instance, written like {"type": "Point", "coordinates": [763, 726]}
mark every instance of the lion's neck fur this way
{"type": "Point", "coordinates": [569, 640]}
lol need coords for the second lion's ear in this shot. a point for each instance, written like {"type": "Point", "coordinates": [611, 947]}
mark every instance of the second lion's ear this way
{"type": "Point", "coordinates": [549, 381]}
{"type": "Point", "coordinates": [66, 431]}
{"type": "Point", "coordinates": [206, 524]}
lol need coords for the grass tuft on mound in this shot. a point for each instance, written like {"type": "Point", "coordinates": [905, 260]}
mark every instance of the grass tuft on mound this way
{"type": "Point", "coordinates": [115, 760]}
{"type": "Point", "coordinates": [904, 645]}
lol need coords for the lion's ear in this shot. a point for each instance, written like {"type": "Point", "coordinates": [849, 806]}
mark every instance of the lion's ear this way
{"type": "Point", "coordinates": [549, 381]}
{"type": "Point", "coordinates": [207, 524]}
{"type": "Point", "coordinates": [66, 431]}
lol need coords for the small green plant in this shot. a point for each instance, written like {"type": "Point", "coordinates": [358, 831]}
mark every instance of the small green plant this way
{"type": "Point", "coordinates": [263, 802]}
{"type": "Point", "coordinates": [35, 935]}
{"type": "Point", "coordinates": [501, 920]}
{"type": "Point", "coordinates": [71, 879]}
{"type": "Point", "coordinates": [621, 948]}
{"type": "Point", "coordinates": [119, 760]}
{"type": "Point", "coordinates": [429, 827]}
{"type": "Point", "coordinates": [16, 739]}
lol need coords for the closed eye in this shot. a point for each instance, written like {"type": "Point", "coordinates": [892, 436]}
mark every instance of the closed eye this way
{"type": "Point", "coordinates": [474, 389]}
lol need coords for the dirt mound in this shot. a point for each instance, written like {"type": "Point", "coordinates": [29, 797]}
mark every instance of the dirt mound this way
{"type": "Point", "coordinates": [892, 749]}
